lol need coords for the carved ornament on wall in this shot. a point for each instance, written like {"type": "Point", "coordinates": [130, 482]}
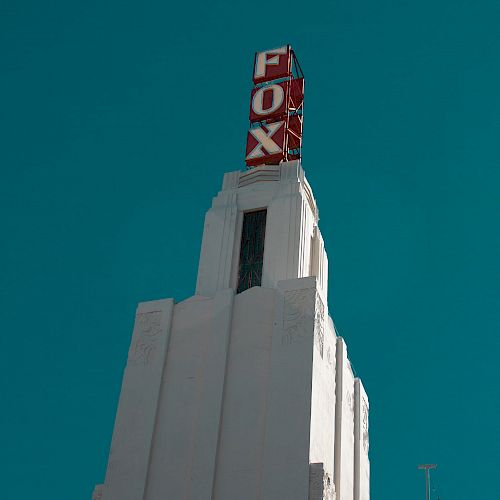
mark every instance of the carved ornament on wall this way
{"type": "Point", "coordinates": [319, 322]}
{"type": "Point", "coordinates": [148, 330]}
{"type": "Point", "coordinates": [350, 401]}
{"type": "Point", "coordinates": [364, 426]}
{"type": "Point", "coordinates": [321, 486]}
{"type": "Point", "coordinates": [98, 491]}
{"type": "Point", "coordinates": [298, 315]}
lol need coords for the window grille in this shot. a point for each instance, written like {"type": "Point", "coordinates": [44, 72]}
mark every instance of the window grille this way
{"type": "Point", "coordinates": [252, 250]}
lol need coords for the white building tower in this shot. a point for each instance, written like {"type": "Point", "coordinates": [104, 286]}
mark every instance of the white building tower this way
{"type": "Point", "coordinates": [244, 391]}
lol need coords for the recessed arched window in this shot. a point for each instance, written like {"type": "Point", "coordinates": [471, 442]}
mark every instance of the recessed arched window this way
{"type": "Point", "coordinates": [252, 250]}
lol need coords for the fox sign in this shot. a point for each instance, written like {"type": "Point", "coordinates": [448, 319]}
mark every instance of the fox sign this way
{"type": "Point", "coordinates": [276, 108]}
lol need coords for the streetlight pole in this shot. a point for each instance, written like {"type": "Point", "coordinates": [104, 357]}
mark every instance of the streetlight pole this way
{"type": "Point", "coordinates": [427, 467]}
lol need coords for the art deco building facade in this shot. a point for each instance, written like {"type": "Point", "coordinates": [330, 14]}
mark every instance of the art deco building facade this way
{"type": "Point", "coordinates": [244, 391]}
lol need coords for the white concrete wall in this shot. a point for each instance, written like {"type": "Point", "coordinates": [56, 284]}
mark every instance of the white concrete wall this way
{"type": "Point", "coordinates": [287, 439]}
{"type": "Point", "coordinates": [293, 244]}
{"type": "Point", "coordinates": [183, 456]}
{"type": "Point", "coordinates": [322, 429]}
{"type": "Point", "coordinates": [361, 443]}
{"type": "Point", "coordinates": [238, 405]}
{"type": "Point", "coordinates": [344, 425]}
{"type": "Point", "coordinates": [214, 270]}
{"type": "Point", "coordinates": [239, 459]}
{"type": "Point", "coordinates": [247, 396]}
{"type": "Point", "coordinates": [128, 463]}
{"type": "Point", "coordinates": [319, 263]}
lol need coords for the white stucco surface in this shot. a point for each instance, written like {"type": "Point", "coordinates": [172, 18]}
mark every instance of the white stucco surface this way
{"type": "Point", "coordinates": [344, 432]}
{"type": "Point", "coordinates": [361, 443]}
{"type": "Point", "coordinates": [128, 463]}
{"type": "Point", "coordinates": [322, 427]}
{"type": "Point", "coordinates": [250, 395]}
{"type": "Point", "coordinates": [293, 245]}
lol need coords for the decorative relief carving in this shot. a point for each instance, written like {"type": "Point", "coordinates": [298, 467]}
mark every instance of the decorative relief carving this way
{"type": "Point", "coordinates": [298, 315]}
{"type": "Point", "coordinates": [321, 486]}
{"type": "Point", "coordinates": [350, 399]}
{"type": "Point", "coordinates": [98, 491]}
{"type": "Point", "coordinates": [316, 481]}
{"type": "Point", "coordinates": [329, 355]}
{"type": "Point", "coordinates": [328, 488]}
{"type": "Point", "coordinates": [319, 322]}
{"type": "Point", "coordinates": [148, 327]}
{"type": "Point", "coordinates": [364, 426]}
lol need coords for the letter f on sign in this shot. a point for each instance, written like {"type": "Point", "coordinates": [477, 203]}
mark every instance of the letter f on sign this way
{"type": "Point", "coordinates": [264, 140]}
{"type": "Point", "coordinates": [271, 64]}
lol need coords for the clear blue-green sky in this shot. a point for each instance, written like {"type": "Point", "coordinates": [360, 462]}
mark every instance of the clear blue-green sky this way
{"type": "Point", "coordinates": [117, 121]}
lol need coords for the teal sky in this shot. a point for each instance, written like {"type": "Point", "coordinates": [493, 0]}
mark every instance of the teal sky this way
{"type": "Point", "coordinates": [117, 122]}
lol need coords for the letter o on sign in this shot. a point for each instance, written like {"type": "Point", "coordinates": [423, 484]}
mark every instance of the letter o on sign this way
{"type": "Point", "coordinates": [275, 100]}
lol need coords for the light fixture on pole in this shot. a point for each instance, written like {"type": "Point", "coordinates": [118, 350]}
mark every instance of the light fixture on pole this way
{"type": "Point", "coordinates": [427, 467]}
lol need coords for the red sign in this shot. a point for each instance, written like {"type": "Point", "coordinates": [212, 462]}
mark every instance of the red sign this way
{"type": "Point", "coordinates": [275, 132]}
{"type": "Point", "coordinates": [266, 143]}
{"type": "Point", "coordinates": [269, 102]}
{"type": "Point", "coordinates": [272, 64]}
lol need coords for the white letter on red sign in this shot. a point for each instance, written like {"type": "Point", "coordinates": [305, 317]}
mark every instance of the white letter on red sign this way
{"type": "Point", "coordinates": [264, 140]}
{"type": "Point", "coordinates": [276, 100]}
{"type": "Point", "coordinates": [262, 61]}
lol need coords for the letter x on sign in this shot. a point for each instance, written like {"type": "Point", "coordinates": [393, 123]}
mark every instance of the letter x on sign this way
{"type": "Point", "coordinates": [265, 140]}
